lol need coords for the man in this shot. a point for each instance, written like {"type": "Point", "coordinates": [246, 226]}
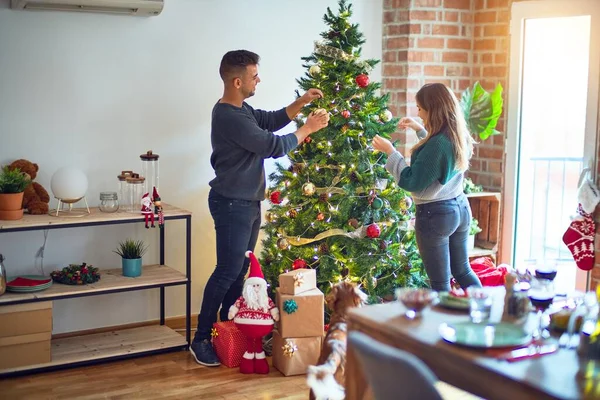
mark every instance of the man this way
{"type": "Point", "coordinates": [241, 139]}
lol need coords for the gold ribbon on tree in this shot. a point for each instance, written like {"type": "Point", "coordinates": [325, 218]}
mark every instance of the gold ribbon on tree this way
{"type": "Point", "coordinates": [298, 241]}
{"type": "Point", "coordinates": [330, 51]}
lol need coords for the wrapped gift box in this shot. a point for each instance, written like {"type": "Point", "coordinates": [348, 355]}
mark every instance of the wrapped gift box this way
{"type": "Point", "coordinates": [229, 343]}
{"type": "Point", "coordinates": [298, 281]}
{"type": "Point", "coordinates": [301, 315]}
{"type": "Point", "coordinates": [292, 356]}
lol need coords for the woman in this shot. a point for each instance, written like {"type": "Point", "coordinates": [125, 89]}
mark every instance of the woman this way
{"type": "Point", "coordinates": [435, 181]}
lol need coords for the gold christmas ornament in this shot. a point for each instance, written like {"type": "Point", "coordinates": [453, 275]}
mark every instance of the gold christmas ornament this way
{"type": "Point", "coordinates": [270, 217]}
{"type": "Point", "coordinates": [293, 213]}
{"type": "Point", "coordinates": [314, 70]}
{"type": "Point", "coordinates": [289, 348]}
{"type": "Point", "coordinates": [308, 189]}
{"type": "Point", "coordinates": [282, 243]}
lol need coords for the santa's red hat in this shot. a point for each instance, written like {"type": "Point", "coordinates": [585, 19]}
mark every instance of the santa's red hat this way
{"type": "Point", "coordinates": [256, 275]}
{"type": "Point", "coordinates": [155, 195]}
{"type": "Point", "coordinates": [146, 195]}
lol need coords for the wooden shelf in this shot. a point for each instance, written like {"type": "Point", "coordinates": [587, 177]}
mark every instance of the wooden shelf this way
{"type": "Point", "coordinates": [77, 350]}
{"type": "Point", "coordinates": [494, 195]}
{"type": "Point", "coordinates": [111, 281]}
{"type": "Point", "coordinates": [96, 217]}
{"type": "Point", "coordinates": [479, 252]}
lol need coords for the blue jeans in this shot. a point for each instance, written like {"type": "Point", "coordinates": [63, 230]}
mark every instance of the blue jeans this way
{"type": "Point", "coordinates": [237, 223]}
{"type": "Point", "coordinates": [442, 230]}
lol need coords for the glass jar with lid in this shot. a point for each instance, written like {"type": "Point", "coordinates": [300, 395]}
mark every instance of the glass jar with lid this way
{"type": "Point", "coordinates": [122, 189]}
{"type": "Point", "coordinates": [150, 171]}
{"type": "Point", "coordinates": [109, 202]}
{"type": "Point", "coordinates": [134, 192]}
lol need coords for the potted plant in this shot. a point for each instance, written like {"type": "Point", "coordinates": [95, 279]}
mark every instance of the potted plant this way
{"type": "Point", "coordinates": [474, 229]}
{"type": "Point", "coordinates": [12, 186]}
{"type": "Point", "coordinates": [482, 110]}
{"type": "Point", "coordinates": [131, 252]}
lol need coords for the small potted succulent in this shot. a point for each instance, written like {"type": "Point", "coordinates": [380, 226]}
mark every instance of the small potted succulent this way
{"type": "Point", "coordinates": [131, 252]}
{"type": "Point", "coordinates": [474, 229]}
{"type": "Point", "coordinates": [12, 186]}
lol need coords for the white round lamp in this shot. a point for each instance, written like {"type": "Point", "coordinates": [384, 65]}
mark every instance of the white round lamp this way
{"type": "Point", "coordinates": [69, 185]}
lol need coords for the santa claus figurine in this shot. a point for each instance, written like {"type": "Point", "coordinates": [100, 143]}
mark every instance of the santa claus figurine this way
{"type": "Point", "coordinates": [147, 209]}
{"type": "Point", "coordinates": [254, 313]}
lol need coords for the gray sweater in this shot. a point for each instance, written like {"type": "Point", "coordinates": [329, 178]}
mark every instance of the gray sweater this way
{"type": "Point", "coordinates": [241, 139]}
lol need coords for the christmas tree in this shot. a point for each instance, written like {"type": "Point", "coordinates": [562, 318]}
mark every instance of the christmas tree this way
{"type": "Point", "coordinates": [336, 209]}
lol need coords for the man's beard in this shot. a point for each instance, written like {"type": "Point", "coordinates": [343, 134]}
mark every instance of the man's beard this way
{"type": "Point", "coordinates": [254, 300]}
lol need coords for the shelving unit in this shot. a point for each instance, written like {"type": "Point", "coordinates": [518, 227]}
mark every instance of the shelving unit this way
{"type": "Point", "coordinates": [485, 207]}
{"type": "Point", "coordinates": [118, 344]}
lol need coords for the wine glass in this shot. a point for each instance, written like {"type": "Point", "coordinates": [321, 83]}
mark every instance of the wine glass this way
{"type": "Point", "coordinates": [541, 294]}
{"type": "Point", "coordinates": [416, 300]}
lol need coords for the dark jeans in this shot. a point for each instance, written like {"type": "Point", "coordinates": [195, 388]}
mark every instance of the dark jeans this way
{"type": "Point", "coordinates": [442, 230]}
{"type": "Point", "coordinates": [237, 223]}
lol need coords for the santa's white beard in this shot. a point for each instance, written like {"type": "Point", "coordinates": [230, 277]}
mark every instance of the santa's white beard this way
{"type": "Point", "coordinates": [256, 300]}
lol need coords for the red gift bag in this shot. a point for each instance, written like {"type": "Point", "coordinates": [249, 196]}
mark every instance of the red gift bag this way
{"type": "Point", "coordinates": [229, 343]}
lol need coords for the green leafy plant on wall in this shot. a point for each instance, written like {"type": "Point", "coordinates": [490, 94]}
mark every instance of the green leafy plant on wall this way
{"type": "Point", "coordinates": [482, 109]}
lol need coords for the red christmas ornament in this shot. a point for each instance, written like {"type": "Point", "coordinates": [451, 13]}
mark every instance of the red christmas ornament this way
{"type": "Point", "coordinates": [308, 140]}
{"type": "Point", "coordinates": [362, 80]}
{"type": "Point", "coordinates": [320, 216]}
{"type": "Point", "coordinates": [275, 197]}
{"type": "Point", "coordinates": [346, 114]}
{"type": "Point", "coordinates": [299, 263]}
{"type": "Point", "coordinates": [373, 231]}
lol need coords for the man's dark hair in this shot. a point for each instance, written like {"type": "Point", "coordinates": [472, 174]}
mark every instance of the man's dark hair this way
{"type": "Point", "coordinates": [234, 63]}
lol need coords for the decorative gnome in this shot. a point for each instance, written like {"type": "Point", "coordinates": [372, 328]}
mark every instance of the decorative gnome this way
{"type": "Point", "coordinates": [254, 314]}
{"type": "Point", "coordinates": [579, 236]}
{"type": "Point", "coordinates": [158, 209]}
{"type": "Point", "coordinates": [147, 210]}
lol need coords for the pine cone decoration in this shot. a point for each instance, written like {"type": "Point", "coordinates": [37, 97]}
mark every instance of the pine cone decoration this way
{"type": "Point", "coordinates": [324, 248]}
{"type": "Point", "coordinates": [354, 176]}
{"type": "Point", "coordinates": [323, 197]}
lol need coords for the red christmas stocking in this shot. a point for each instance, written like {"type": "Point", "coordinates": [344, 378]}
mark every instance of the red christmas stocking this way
{"type": "Point", "coordinates": [579, 238]}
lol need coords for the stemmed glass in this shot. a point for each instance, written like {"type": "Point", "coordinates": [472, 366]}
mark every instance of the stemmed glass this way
{"type": "Point", "coordinates": [541, 294]}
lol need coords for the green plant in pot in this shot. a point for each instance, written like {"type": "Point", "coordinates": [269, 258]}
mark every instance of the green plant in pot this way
{"type": "Point", "coordinates": [474, 229]}
{"type": "Point", "coordinates": [482, 110]}
{"type": "Point", "coordinates": [131, 252]}
{"type": "Point", "coordinates": [12, 185]}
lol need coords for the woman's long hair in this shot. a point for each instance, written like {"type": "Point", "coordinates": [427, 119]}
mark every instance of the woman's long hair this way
{"type": "Point", "coordinates": [445, 112]}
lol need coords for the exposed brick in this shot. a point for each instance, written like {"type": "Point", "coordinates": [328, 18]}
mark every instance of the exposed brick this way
{"type": "Point", "coordinates": [430, 43]}
{"type": "Point", "coordinates": [415, 69]}
{"type": "Point", "coordinates": [500, 124]}
{"type": "Point", "coordinates": [462, 84]}
{"type": "Point", "coordinates": [466, 31]}
{"type": "Point", "coordinates": [482, 17]}
{"type": "Point", "coordinates": [498, 72]}
{"type": "Point", "coordinates": [394, 70]}
{"type": "Point", "coordinates": [495, 30]}
{"type": "Point", "coordinates": [490, 152]}
{"type": "Point", "coordinates": [422, 15]}
{"type": "Point", "coordinates": [494, 167]}
{"type": "Point", "coordinates": [484, 44]}
{"type": "Point", "coordinates": [477, 31]}
{"type": "Point", "coordinates": [434, 70]}
{"type": "Point", "coordinates": [413, 83]}
{"type": "Point", "coordinates": [389, 16]}
{"type": "Point", "coordinates": [459, 4]}
{"type": "Point", "coordinates": [395, 83]}
{"type": "Point", "coordinates": [420, 56]}
{"type": "Point", "coordinates": [487, 58]}
{"type": "Point", "coordinates": [402, 15]}
{"type": "Point", "coordinates": [496, 183]}
{"type": "Point", "coordinates": [457, 56]}
{"type": "Point", "coordinates": [455, 70]}
{"type": "Point", "coordinates": [463, 44]}
{"type": "Point", "coordinates": [479, 4]}
{"type": "Point", "coordinates": [389, 56]}
{"type": "Point", "coordinates": [503, 16]}
{"type": "Point", "coordinates": [475, 165]}
{"type": "Point", "coordinates": [402, 55]}
{"type": "Point", "coordinates": [498, 140]}
{"type": "Point", "coordinates": [396, 43]}
{"type": "Point", "coordinates": [415, 29]}
{"type": "Point", "coordinates": [427, 3]}
{"type": "Point", "coordinates": [446, 82]}
{"type": "Point", "coordinates": [496, 3]}
{"type": "Point", "coordinates": [501, 58]}
{"type": "Point", "coordinates": [446, 30]}
{"type": "Point", "coordinates": [397, 29]}
{"type": "Point", "coordinates": [451, 16]}
{"type": "Point", "coordinates": [399, 97]}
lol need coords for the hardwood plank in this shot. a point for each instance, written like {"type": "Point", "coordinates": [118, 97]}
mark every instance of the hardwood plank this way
{"type": "Point", "coordinates": [109, 344]}
{"type": "Point", "coordinates": [96, 217]}
{"type": "Point", "coordinates": [111, 279]}
{"type": "Point", "coordinates": [490, 195]}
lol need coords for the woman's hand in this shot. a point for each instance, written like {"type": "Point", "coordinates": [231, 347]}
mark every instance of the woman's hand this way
{"type": "Point", "coordinates": [383, 145]}
{"type": "Point", "coordinates": [408, 122]}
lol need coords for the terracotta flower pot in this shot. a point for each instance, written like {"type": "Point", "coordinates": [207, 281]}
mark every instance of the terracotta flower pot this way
{"type": "Point", "coordinates": [11, 206]}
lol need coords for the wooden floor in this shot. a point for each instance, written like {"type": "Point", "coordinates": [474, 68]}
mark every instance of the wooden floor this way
{"type": "Point", "coordinates": [167, 376]}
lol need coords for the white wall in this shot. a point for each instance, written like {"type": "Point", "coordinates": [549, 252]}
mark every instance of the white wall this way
{"type": "Point", "coordinates": [96, 91]}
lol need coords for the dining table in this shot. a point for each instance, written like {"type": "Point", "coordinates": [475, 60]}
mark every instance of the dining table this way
{"type": "Point", "coordinates": [481, 371]}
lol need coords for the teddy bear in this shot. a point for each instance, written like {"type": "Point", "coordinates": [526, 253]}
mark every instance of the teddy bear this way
{"type": "Point", "coordinates": [35, 198]}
